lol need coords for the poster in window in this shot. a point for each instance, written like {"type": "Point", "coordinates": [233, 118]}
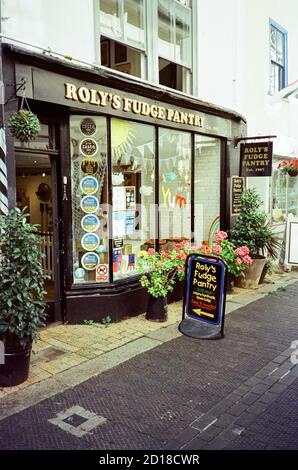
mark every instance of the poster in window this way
{"type": "Point", "coordinates": [130, 195]}
{"type": "Point", "coordinates": [119, 198]}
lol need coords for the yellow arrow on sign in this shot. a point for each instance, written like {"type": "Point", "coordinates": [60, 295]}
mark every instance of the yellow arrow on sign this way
{"type": "Point", "coordinates": [199, 312]}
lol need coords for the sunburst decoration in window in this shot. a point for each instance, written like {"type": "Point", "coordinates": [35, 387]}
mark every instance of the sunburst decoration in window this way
{"type": "Point", "coordinates": [123, 135]}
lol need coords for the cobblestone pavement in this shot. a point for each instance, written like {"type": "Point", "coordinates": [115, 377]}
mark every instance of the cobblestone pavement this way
{"type": "Point", "coordinates": [237, 392]}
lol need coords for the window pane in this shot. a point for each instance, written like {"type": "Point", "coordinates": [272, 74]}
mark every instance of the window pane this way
{"type": "Point", "coordinates": [134, 32]}
{"type": "Point", "coordinates": [174, 76]}
{"type": "Point", "coordinates": [183, 34]}
{"type": "Point", "coordinates": [207, 187]}
{"type": "Point", "coordinates": [292, 196]}
{"type": "Point", "coordinates": [166, 47]}
{"type": "Point", "coordinates": [133, 157]}
{"type": "Point", "coordinates": [279, 187]}
{"type": "Point", "coordinates": [89, 199]}
{"type": "Point", "coordinates": [175, 185]}
{"type": "Point", "coordinates": [110, 18]}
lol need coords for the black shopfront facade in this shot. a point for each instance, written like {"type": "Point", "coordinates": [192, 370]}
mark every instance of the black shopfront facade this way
{"type": "Point", "coordinates": [120, 166]}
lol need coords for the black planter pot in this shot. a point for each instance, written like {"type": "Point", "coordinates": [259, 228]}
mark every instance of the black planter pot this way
{"type": "Point", "coordinates": [15, 369]}
{"type": "Point", "coordinates": [157, 309]}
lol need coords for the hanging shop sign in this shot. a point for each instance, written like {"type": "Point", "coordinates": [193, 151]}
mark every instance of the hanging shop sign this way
{"type": "Point", "coordinates": [118, 242]}
{"type": "Point", "coordinates": [204, 300]}
{"type": "Point", "coordinates": [89, 185]}
{"type": "Point", "coordinates": [90, 223]}
{"type": "Point", "coordinates": [89, 166]}
{"type": "Point", "coordinates": [237, 188]}
{"type": "Point", "coordinates": [90, 261]}
{"type": "Point", "coordinates": [256, 159]}
{"type": "Point", "coordinates": [88, 147]}
{"type": "Point", "coordinates": [88, 126]}
{"type": "Point", "coordinates": [90, 241]}
{"type": "Point", "coordinates": [89, 204]}
{"type": "Point", "coordinates": [102, 272]}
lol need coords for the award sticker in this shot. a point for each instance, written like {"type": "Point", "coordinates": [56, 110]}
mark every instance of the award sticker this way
{"type": "Point", "coordinates": [90, 223]}
{"type": "Point", "coordinates": [90, 261]}
{"type": "Point", "coordinates": [89, 204]}
{"type": "Point", "coordinates": [88, 126]}
{"type": "Point", "coordinates": [88, 147]}
{"type": "Point", "coordinates": [89, 166]}
{"type": "Point", "coordinates": [90, 241]}
{"type": "Point", "coordinates": [89, 185]}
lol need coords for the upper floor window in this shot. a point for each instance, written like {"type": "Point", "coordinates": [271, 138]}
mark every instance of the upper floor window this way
{"type": "Point", "coordinates": [278, 57]}
{"type": "Point", "coordinates": [123, 20]}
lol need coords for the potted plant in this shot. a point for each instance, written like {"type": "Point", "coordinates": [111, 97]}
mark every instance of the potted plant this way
{"type": "Point", "coordinates": [289, 167]}
{"type": "Point", "coordinates": [252, 229]}
{"type": "Point", "coordinates": [237, 258]}
{"type": "Point", "coordinates": [159, 273]}
{"type": "Point", "coordinates": [22, 306]}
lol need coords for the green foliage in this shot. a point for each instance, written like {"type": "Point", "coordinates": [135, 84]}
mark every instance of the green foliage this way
{"type": "Point", "coordinates": [22, 306]}
{"type": "Point", "coordinates": [160, 271]}
{"type": "Point", "coordinates": [106, 321]}
{"type": "Point", "coordinates": [24, 125]}
{"type": "Point", "coordinates": [252, 229]}
{"type": "Point", "coordinates": [89, 323]}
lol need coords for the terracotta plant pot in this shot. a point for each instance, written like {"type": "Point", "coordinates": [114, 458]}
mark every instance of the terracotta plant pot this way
{"type": "Point", "coordinates": [157, 309]}
{"type": "Point", "coordinates": [252, 274]}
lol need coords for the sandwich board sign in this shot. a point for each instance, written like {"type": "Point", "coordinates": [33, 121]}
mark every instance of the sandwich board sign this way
{"type": "Point", "coordinates": [204, 297]}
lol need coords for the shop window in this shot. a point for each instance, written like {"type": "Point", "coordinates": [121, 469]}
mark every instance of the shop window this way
{"type": "Point", "coordinates": [120, 57]}
{"type": "Point", "coordinates": [175, 186]}
{"type": "Point", "coordinates": [89, 199]}
{"type": "Point", "coordinates": [123, 20]}
{"type": "Point", "coordinates": [284, 194]}
{"type": "Point", "coordinates": [133, 156]}
{"type": "Point", "coordinates": [174, 31]}
{"type": "Point", "coordinates": [278, 57]}
{"type": "Point", "coordinates": [207, 188]}
{"type": "Point", "coordinates": [174, 76]}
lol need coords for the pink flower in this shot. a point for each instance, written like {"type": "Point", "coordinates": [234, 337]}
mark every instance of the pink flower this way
{"type": "Point", "coordinates": [217, 249]}
{"type": "Point", "coordinates": [151, 251]}
{"type": "Point", "coordinates": [238, 261]}
{"type": "Point", "coordinates": [181, 256]}
{"type": "Point", "coordinates": [177, 246]}
{"type": "Point", "coordinates": [164, 254]}
{"type": "Point", "coordinates": [220, 236]}
{"type": "Point", "coordinates": [247, 259]}
{"type": "Point", "coordinates": [198, 247]}
{"type": "Point", "coordinates": [180, 268]}
{"type": "Point", "coordinates": [242, 251]}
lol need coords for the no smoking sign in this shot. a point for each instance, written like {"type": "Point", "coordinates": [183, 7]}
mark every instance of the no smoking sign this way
{"type": "Point", "coordinates": [102, 272]}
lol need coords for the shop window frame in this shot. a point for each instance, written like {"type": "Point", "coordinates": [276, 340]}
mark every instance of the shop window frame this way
{"type": "Point", "coordinates": [115, 284]}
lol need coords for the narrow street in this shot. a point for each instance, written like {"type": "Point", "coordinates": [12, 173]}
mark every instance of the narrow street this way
{"type": "Point", "coordinates": [240, 392]}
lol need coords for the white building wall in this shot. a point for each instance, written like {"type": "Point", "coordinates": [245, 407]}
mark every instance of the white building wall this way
{"type": "Point", "coordinates": [66, 26]}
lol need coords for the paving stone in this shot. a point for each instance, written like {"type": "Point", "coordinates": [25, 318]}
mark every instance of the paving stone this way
{"type": "Point", "coordinates": [278, 388]}
{"type": "Point", "coordinates": [249, 398]}
{"type": "Point", "coordinates": [203, 422]}
{"type": "Point", "coordinates": [238, 409]}
{"type": "Point", "coordinates": [225, 420]}
{"type": "Point", "coordinates": [210, 433]}
{"type": "Point", "coordinates": [268, 397]}
{"type": "Point", "coordinates": [260, 388]}
{"type": "Point", "coordinates": [256, 408]}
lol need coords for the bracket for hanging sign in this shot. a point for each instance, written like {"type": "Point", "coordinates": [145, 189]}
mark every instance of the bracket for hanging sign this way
{"type": "Point", "coordinates": [258, 137]}
{"type": "Point", "coordinates": [204, 297]}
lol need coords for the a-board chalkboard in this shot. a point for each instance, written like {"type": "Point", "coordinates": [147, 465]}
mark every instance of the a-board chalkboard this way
{"type": "Point", "coordinates": [204, 299]}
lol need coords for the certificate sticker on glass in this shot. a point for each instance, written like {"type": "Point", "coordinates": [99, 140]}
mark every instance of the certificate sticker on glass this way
{"type": "Point", "coordinates": [89, 166]}
{"type": "Point", "coordinates": [89, 185]}
{"type": "Point", "coordinates": [90, 261]}
{"type": "Point", "coordinates": [90, 241]}
{"type": "Point", "coordinates": [88, 147]}
{"type": "Point", "coordinates": [90, 223]}
{"type": "Point", "coordinates": [88, 126]}
{"type": "Point", "coordinates": [89, 204]}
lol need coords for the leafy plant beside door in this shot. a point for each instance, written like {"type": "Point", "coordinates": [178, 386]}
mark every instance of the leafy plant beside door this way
{"type": "Point", "coordinates": [252, 229]}
{"type": "Point", "coordinates": [22, 306]}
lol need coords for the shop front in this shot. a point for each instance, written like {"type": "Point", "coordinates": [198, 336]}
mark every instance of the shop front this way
{"type": "Point", "coordinates": [129, 166]}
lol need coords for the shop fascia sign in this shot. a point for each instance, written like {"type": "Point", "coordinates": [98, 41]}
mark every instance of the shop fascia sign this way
{"type": "Point", "coordinates": [104, 99]}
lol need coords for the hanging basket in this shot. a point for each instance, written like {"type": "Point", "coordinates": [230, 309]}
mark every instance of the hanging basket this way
{"type": "Point", "coordinates": [24, 125]}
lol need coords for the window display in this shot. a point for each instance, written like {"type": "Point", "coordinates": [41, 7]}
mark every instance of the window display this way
{"type": "Point", "coordinates": [175, 185]}
{"type": "Point", "coordinates": [133, 154]}
{"type": "Point", "coordinates": [89, 198]}
{"type": "Point", "coordinates": [207, 188]}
